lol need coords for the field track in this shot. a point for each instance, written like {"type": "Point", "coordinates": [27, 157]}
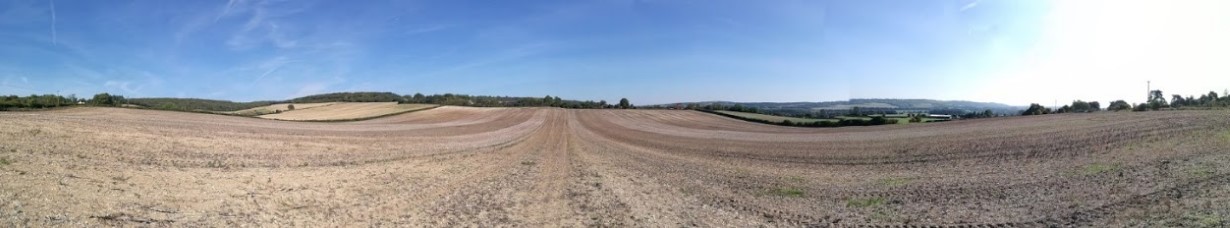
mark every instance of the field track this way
{"type": "Point", "coordinates": [546, 167]}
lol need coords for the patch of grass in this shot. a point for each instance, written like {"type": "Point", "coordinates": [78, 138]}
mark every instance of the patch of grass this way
{"type": "Point", "coordinates": [1225, 135]}
{"type": "Point", "coordinates": [1201, 171]}
{"type": "Point", "coordinates": [894, 181]}
{"type": "Point", "coordinates": [1099, 168]}
{"type": "Point", "coordinates": [787, 192]}
{"type": "Point", "coordinates": [1205, 220]}
{"type": "Point", "coordinates": [5, 161]}
{"type": "Point", "coordinates": [883, 214]}
{"type": "Point", "coordinates": [796, 179]}
{"type": "Point", "coordinates": [865, 202]}
{"type": "Point", "coordinates": [528, 163]}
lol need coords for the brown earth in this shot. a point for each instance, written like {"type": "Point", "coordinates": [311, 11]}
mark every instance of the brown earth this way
{"type": "Point", "coordinates": [542, 167]}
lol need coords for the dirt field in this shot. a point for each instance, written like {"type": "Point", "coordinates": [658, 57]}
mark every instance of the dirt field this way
{"type": "Point", "coordinates": [346, 111]}
{"type": "Point", "coordinates": [540, 167]}
{"type": "Point", "coordinates": [274, 108]}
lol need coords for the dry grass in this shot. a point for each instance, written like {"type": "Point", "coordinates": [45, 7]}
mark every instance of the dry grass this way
{"type": "Point", "coordinates": [536, 167]}
{"type": "Point", "coordinates": [275, 108]}
{"type": "Point", "coordinates": [346, 111]}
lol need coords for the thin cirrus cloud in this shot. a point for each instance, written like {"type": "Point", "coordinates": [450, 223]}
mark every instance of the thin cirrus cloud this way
{"type": "Point", "coordinates": [648, 51]}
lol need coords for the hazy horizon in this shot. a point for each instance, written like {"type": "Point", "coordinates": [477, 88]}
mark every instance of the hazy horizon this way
{"type": "Point", "coordinates": [651, 52]}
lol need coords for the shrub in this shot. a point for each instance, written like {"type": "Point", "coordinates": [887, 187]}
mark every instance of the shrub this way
{"type": "Point", "coordinates": [787, 192]}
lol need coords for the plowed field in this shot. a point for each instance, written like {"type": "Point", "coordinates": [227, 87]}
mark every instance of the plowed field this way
{"type": "Point", "coordinates": [542, 167]}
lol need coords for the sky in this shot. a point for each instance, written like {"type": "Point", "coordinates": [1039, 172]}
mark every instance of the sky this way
{"type": "Point", "coordinates": [650, 51]}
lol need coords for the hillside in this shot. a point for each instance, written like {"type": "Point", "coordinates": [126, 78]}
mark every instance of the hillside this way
{"type": "Point", "coordinates": [928, 105]}
{"type": "Point", "coordinates": [276, 108]}
{"type": "Point", "coordinates": [347, 111]}
{"type": "Point", "coordinates": [194, 104]}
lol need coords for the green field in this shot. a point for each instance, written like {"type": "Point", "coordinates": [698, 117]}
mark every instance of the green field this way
{"type": "Point", "coordinates": [771, 118]}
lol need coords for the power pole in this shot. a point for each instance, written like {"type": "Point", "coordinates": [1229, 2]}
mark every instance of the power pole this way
{"type": "Point", "coordinates": [1148, 91]}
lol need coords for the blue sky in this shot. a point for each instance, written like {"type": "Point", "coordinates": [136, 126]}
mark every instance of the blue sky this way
{"type": "Point", "coordinates": [650, 51]}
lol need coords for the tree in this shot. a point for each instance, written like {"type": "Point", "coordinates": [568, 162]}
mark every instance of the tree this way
{"type": "Point", "coordinates": [290, 107]}
{"type": "Point", "coordinates": [1064, 109]}
{"type": "Point", "coordinates": [1079, 106]}
{"type": "Point", "coordinates": [1141, 107]}
{"type": "Point", "coordinates": [1156, 100]}
{"type": "Point", "coordinates": [1094, 106]}
{"type": "Point", "coordinates": [106, 99]}
{"type": "Point", "coordinates": [1036, 109]}
{"type": "Point", "coordinates": [419, 98]}
{"type": "Point", "coordinates": [624, 104]}
{"type": "Point", "coordinates": [1178, 101]}
{"type": "Point", "coordinates": [1118, 105]}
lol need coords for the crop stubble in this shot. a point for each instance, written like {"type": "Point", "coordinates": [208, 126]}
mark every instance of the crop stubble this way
{"type": "Point", "coordinates": [534, 167]}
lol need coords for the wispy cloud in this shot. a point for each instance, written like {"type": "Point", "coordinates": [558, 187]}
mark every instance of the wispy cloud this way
{"type": "Point", "coordinates": [426, 29]}
{"type": "Point", "coordinates": [506, 55]}
{"type": "Point", "coordinates": [226, 10]}
{"type": "Point", "coordinates": [271, 66]}
{"type": "Point", "coordinates": [53, 23]}
{"type": "Point", "coordinates": [971, 5]}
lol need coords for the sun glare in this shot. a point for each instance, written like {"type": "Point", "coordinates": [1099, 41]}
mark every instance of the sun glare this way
{"type": "Point", "coordinates": [1124, 44]}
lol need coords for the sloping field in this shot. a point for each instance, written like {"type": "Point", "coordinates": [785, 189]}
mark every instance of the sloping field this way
{"type": "Point", "coordinates": [542, 167]}
{"type": "Point", "coordinates": [772, 118]}
{"type": "Point", "coordinates": [346, 111]}
{"type": "Point", "coordinates": [274, 108]}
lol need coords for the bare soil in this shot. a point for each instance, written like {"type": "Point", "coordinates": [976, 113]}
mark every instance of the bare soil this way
{"type": "Point", "coordinates": [545, 167]}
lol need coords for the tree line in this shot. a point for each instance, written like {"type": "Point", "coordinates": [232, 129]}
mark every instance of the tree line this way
{"type": "Point", "coordinates": [1156, 101]}
{"type": "Point", "coordinates": [14, 102]}
{"type": "Point", "coordinates": [877, 120]}
{"type": "Point", "coordinates": [194, 104]}
{"type": "Point", "coordinates": [505, 101]}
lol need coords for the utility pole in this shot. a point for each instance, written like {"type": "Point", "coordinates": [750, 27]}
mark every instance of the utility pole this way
{"type": "Point", "coordinates": [1148, 91]}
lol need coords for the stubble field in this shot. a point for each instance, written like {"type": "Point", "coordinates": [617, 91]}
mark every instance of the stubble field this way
{"type": "Point", "coordinates": [342, 111]}
{"type": "Point", "coordinates": [541, 167]}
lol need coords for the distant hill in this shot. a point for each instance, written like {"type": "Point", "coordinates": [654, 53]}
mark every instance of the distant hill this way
{"type": "Point", "coordinates": [889, 105]}
{"type": "Point", "coordinates": [194, 104]}
{"type": "Point", "coordinates": [221, 106]}
{"type": "Point", "coordinates": [351, 97]}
